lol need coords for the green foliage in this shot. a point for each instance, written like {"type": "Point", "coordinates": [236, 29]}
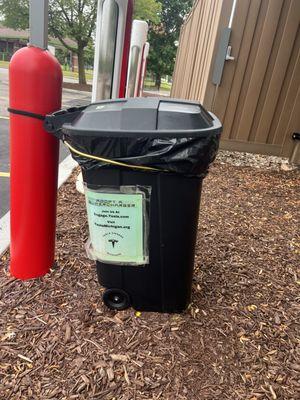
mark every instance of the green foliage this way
{"type": "Point", "coordinates": [162, 38]}
{"type": "Point", "coordinates": [173, 13]}
{"type": "Point", "coordinates": [89, 54]}
{"type": "Point", "coordinates": [147, 10]}
{"type": "Point", "coordinates": [74, 19]}
{"type": "Point", "coordinates": [15, 13]}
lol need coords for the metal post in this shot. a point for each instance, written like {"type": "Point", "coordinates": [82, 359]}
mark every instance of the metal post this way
{"type": "Point", "coordinates": [38, 23]}
{"type": "Point", "coordinates": [113, 30]}
{"type": "Point", "coordinates": [138, 40]}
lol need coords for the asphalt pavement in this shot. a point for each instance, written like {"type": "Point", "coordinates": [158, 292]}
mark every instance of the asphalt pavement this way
{"type": "Point", "coordinates": [70, 98]}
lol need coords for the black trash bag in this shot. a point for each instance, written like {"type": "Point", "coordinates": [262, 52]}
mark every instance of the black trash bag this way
{"type": "Point", "coordinates": [157, 140]}
{"type": "Point", "coordinates": [188, 156]}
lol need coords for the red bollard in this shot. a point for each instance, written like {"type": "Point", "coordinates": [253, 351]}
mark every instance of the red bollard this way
{"type": "Point", "coordinates": [126, 49]}
{"type": "Point", "coordinates": [35, 86]}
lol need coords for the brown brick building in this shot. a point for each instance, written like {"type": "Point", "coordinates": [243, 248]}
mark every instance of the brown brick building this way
{"type": "Point", "coordinates": [11, 40]}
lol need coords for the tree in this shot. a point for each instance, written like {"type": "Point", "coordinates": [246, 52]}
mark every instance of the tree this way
{"type": "Point", "coordinates": [15, 13]}
{"type": "Point", "coordinates": [162, 38]}
{"type": "Point", "coordinates": [147, 10]}
{"type": "Point", "coordinates": [75, 19]}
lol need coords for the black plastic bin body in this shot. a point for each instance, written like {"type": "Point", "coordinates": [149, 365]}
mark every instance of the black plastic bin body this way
{"type": "Point", "coordinates": [179, 140]}
{"type": "Point", "coordinates": [165, 283]}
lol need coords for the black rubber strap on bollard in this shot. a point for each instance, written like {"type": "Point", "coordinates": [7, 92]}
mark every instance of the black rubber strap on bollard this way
{"type": "Point", "coordinates": [26, 113]}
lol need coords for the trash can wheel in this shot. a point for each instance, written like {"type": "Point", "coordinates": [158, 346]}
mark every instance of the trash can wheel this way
{"type": "Point", "coordinates": [116, 299]}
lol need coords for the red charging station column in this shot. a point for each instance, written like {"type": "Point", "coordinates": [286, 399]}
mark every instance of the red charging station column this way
{"type": "Point", "coordinates": [143, 68]}
{"type": "Point", "coordinates": [126, 49]}
{"type": "Point", "coordinates": [35, 80]}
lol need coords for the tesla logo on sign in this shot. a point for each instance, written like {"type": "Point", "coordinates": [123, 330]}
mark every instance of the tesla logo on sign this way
{"type": "Point", "coordinates": [113, 242]}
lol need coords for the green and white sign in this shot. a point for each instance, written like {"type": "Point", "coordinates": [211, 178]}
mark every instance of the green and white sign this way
{"type": "Point", "coordinates": [116, 226]}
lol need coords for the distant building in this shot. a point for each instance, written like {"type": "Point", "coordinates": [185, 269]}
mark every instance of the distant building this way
{"type": "Point", "coordinates": [11, 40]}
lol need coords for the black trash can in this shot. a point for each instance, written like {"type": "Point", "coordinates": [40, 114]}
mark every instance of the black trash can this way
{"type": "Point", "coordinates": [143, 162]}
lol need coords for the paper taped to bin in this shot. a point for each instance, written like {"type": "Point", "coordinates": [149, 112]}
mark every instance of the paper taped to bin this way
{"type": "Point", "coordinates": [117, 225]}
{"type": "Point", "coordinates": [168, 135]}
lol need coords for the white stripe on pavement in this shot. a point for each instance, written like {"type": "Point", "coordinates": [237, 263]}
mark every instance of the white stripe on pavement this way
{"type": "Point", "coordinates": [65, 169]}
{"type": "Point", "coordinates": [4, 232]}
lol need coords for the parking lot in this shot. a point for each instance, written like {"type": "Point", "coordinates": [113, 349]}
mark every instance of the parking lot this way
{"type": "Point", "coordinates": [70, 97]}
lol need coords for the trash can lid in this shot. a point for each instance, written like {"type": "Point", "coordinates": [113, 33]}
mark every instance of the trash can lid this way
{"type": "Point", "coordinates": [135, 116]}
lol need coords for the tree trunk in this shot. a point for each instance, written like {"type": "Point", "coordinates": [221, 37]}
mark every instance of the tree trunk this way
{"type": "Point", "coordinates": [157, 81]}
{"type": "Point", "coordinates": [81, 70]}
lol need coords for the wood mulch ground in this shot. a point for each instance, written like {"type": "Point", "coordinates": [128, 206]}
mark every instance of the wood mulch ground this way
{"type": "Point", "coordinates": [238, 340]}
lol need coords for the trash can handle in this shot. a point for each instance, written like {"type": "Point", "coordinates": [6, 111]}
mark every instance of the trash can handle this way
{"type": "Point", "coordinates": [53, 122]}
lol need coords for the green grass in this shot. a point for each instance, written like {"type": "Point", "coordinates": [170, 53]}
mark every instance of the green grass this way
{"type": "Point", "coordinates": [67, 74]}
{"type": "Point", "coordinates": [149, 84]}
{"type": "Point", "coordinates": [74, 75]}
{"type": "Point", "coordinates": [4, 64]}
